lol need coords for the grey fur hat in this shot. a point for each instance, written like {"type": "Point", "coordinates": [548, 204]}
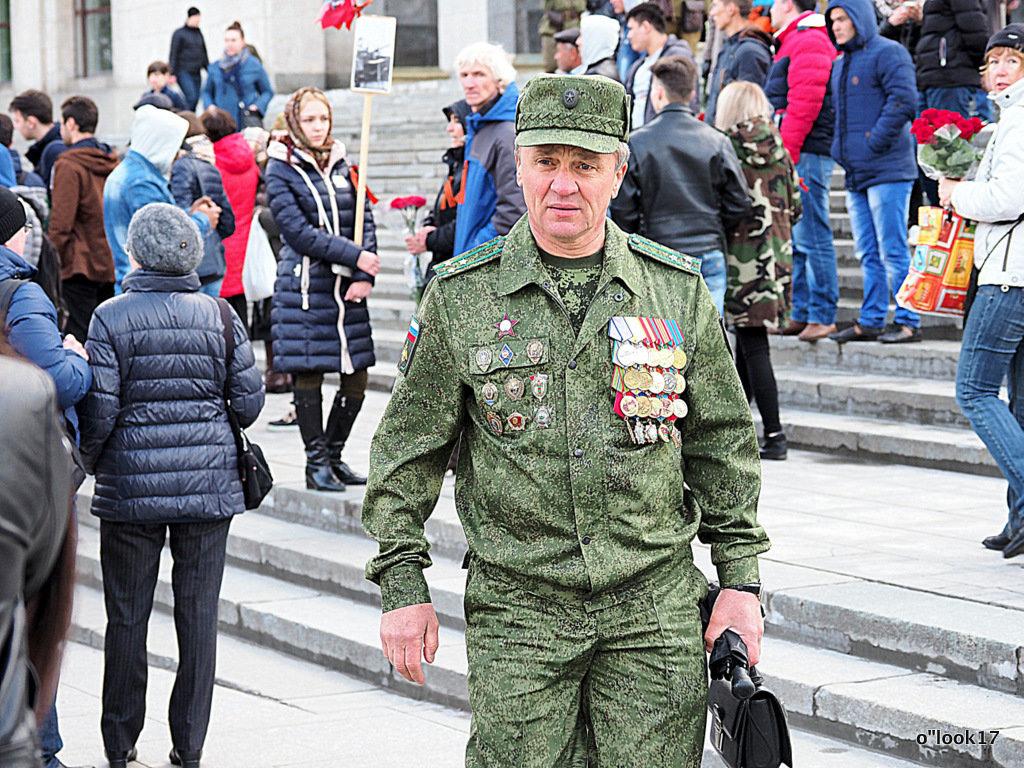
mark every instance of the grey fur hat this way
{"type": "Point", "coordinates": [162, 238]}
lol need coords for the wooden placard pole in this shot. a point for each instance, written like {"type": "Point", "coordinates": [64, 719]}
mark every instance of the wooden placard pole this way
{"type": "Point", "coordinates": [364, 154]}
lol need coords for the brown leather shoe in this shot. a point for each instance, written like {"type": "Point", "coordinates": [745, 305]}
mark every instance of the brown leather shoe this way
{"type": "Point", "coordinates": [815, 331]}
{"type": "Point", "coordinates": [792, 328]}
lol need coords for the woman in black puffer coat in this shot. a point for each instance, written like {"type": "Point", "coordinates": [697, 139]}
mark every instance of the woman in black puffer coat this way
{"type": "Point", "coordinates": [155, 433]}
{"type": "Point", "coordinates": [319, 318]}
{"type": "Point", "coordinates": [194, 175]}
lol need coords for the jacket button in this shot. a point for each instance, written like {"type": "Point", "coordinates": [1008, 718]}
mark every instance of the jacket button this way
{"type": "Point", "coordinates": [578, 453]}
{"type": "Point", "coordinates": [572, 365]}
{"type": "Point", "coordinates": [618, 297]}
{"type": "Point", "coordinates": [585, 539]}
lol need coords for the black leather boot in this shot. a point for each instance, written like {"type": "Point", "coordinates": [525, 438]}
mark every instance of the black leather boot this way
{"type": "Point", "coordinates": [185, 759]}
{"type": "Point", "coordinates": [309, 413]}
{"type": "Point", "coordinates": [339, 427]}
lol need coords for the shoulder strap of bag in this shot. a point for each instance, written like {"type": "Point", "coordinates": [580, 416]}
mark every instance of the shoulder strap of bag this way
{"type": "Point", "coordinates": [7, 289]}
{"type": "Point", "coordinates": [227, 328]}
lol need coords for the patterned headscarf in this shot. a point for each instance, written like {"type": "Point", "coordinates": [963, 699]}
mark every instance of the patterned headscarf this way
{"type": "Point", "coordinates": [296, 138]}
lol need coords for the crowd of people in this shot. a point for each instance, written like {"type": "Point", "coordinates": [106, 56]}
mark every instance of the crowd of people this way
{"type": "Point", "coordinates": [121, 273]}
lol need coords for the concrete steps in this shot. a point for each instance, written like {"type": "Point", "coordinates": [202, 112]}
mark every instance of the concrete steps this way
{"type": "Point", "coordinates": [873, 664]}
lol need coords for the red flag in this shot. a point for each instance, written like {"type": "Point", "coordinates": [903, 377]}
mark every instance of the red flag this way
{"type": "Point", "coordinates": [336, 13]}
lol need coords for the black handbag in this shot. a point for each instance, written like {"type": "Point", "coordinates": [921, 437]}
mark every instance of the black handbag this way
{"type": "Point", "coordinates": [748, 722]}
{"type": "Point", "coordinates": [253, 469]}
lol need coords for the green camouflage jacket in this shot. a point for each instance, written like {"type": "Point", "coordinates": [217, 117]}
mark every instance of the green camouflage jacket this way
{"type": "Point", "coordinates": [759, 258]}
{"type": "Point", "coordinates": [552, 489]}
{"type": "Point", "coordinates": [570, 10]}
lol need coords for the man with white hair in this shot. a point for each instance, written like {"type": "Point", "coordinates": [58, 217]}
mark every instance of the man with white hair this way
{"type": "Point", "coordinates": [490, 201]}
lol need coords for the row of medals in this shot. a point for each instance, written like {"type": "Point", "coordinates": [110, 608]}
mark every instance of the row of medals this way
{"type": "Point", "coordinates": [650, 370]}
{"type": "Point", "coordinates": [515, 388]}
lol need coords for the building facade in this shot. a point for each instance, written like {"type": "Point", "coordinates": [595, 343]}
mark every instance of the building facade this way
{"type": "Point", "coordinates": [101, 48]}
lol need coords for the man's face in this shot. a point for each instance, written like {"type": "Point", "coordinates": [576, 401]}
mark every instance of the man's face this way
{"type": "Point", "coordinates": [17, 241]}
{"type": "Point", "coordinates": [619, 6]}
{"type": "Point", "coordinates": [193, 21]}
{"type": "Point", "coordinates": [779, 13]}
{"type": "Point", "coordinates": [567, 56]}
{"type": "Point", "coordinates": [567, 191]}
{"type": "Point", "coordinates": [721, 13]}
{"type": "Point", "coordinates": [639, 35]}
{"type": "Point", "coordinates": [66, 127]}
{"type": "Point", "coordinates": [478, 84]}
{"type": "Point", "coordinates": [157, 80]}
{"type": "Point", "coordinates": [26, 126]}
{"type": "Point", "coordinates": [842, 26]}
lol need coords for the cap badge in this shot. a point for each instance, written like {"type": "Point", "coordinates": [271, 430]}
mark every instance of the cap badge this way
{"type": "Point", "coordinates": [570, 98]}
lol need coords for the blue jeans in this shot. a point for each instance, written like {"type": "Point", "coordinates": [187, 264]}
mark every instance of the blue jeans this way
{"type": "Point", "coordinates": [879, 219]}
{"type": "Point", "coordinates": [712, 269]}
{"type": "Point", "coordinates": [49, 738]}
{"type": "Point", "coordinates": [815, 280]}
{"type": "Point", "coordinates": [993, 350]}
{"type": "Point", "coordinates": [212, 289]}
{"type": "Point", "coordinates": [190, 87]}
{"type": "Point", "coordinates": [968, 101]}
{"type": "Point", "coordinates": [624, 58]}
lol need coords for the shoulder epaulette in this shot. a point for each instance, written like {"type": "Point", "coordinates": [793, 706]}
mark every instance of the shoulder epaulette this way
{"type": "Point", "coordinates": [657, 251]}
{"type": "Point", "coordinates": [470, 259]}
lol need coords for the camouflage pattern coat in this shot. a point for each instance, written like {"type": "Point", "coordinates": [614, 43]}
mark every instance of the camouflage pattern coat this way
{"type": "Point", "coordinates": [552, 492]}
{"type": "Point", "coordinates": [759, 259]}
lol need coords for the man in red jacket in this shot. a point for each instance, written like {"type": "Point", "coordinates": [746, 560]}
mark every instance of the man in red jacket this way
{"type": "Point", "coordinates": [76, 215]}
{"type": "Point", "coordinates": [798, 87]}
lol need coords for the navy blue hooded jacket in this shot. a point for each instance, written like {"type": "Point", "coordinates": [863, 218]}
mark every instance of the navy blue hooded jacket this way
{"type": "Point", "coordinates": [313, 327]}
{"type": "Point", "coordinates": [493, 199]}
{"type": "Point", "coordinates": [875, 98]}
{"type": "Point", "coordinates": [32, 332]}
{"type": "Point", "coordinates": [155, 427]}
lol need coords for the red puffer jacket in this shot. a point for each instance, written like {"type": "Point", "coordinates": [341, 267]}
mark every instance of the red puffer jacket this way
{"type": "Point", "coordinates": [237, 166]}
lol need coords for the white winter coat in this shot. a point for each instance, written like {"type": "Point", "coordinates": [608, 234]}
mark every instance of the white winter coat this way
{"type": "Point", "coordinates": [996, 198]}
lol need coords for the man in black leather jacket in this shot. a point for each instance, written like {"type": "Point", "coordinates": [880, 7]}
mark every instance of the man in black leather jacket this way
{"type": "Point", "coordinates": [684, 186]}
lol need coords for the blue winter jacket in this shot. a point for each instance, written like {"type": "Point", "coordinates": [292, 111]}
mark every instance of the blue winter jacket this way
{"type": "Point", "coordinates": [191, 178]}
{"type": "Point", "coordinates": [875, 99]}
{"type": "Point", "coordinates": [313, 327]}
{"type": "Point", "coordinates": [32, 332]}
{"type": "Point", "coordinates": [247, 81]}
{"type": "Point", "coordinates": [493, 199]}
{"type": "Point", "coordinates": [155, 428]}
{"type": "Point", "coordinates": [135, 182]}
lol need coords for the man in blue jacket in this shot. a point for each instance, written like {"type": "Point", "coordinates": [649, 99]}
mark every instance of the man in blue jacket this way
{"type": "Point", "coordinates": [31, 327]}
{"type": "Point", "coordinates": [141, 178]}
{"type": "Point", "coordinates": [875, 95]}
{"type": "Point", "coordinates": [746, 51]}
{"type": "Point", "coordinates": [490, 200]}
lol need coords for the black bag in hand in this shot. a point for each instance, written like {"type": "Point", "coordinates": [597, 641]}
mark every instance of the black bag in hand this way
{"type": "Point", "coordinates": [748, 722]}
{"type": "Point", "coordinates": [253, 469]}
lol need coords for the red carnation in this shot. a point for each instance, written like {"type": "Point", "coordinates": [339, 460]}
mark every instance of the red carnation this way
{"type": "Point", "coordinates": [412, 201]}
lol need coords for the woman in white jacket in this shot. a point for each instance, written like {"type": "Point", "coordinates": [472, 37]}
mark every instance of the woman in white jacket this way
{"type": "Point", "coordinates": [993, 343]}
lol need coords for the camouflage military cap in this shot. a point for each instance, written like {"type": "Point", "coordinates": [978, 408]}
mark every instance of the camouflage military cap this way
{"type": "Point", "coordinates": [587, 111]}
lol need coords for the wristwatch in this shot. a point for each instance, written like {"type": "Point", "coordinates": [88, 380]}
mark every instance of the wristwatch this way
{"type": "Point", "coordinates": [753, 588]}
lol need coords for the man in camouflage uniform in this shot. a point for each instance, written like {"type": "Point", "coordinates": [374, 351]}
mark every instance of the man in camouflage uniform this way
{"type": "Point", "coordinates": [589, 376]}
{"type": "Point", "coordinates": [557, 15]}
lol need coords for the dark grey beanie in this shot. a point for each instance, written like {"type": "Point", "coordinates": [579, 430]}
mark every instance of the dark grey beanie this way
{"type": "Point", "coordinates": [162, 238]}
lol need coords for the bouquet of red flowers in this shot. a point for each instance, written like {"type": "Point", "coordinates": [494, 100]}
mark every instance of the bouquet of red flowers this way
{"type": "Point", "coordinates": [409, 208]}
{"type": "Point", "coordinates": [944, 150]}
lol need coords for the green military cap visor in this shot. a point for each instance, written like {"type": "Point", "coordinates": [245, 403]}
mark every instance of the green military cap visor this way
{"type": "Point", "coordinates": [587, 111]}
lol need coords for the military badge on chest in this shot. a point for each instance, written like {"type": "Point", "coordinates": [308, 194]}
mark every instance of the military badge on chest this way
{"type": "Point", "coordinates": [647, 377]}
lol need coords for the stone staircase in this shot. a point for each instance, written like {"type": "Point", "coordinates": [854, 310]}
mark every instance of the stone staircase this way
{"type": "Point", "coordinates": [879, 671]}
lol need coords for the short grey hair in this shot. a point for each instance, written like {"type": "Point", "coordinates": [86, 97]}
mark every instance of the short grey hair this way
{"type": "Point", "coordinates": [490, 55]}
{"type": "Point", "coordinates": [621, 153]}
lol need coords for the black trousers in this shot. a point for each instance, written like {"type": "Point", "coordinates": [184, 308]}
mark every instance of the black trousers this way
{"type": "Point", "coordinates": [130, 559]}
{"type": "Point", "coordinates": [82, 296]}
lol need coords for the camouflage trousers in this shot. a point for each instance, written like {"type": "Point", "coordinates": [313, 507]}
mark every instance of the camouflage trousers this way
{"type": "Point", "coordinates": [603, 683]}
